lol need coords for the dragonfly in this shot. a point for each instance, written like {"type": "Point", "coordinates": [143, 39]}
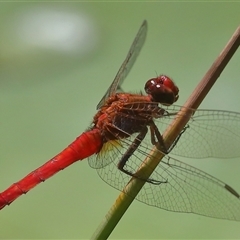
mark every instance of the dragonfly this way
{"type": "Point", "coordinates": [125, 129]}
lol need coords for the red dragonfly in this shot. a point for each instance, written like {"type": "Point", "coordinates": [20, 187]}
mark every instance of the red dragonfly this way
{"type": "Point", "coordinates": [124, 131]}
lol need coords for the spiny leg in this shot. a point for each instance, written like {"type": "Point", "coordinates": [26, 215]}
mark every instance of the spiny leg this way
{"type": "Point", "coordinates": [135, 144]}
{"type": "Point", "coordinates": [177, 139]}
{"type": "Point", "coordinates": [137, 141]}
{"type": "Point", "coordinates": [161, 144]}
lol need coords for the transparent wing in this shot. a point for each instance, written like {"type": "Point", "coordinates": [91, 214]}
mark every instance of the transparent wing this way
{"type": "Point", "coordinates": [109, 152]}
{"type": "Point", "coordinates": [187, 189]}
{"type": "Point", "coordinates": [127, 63]}
{"type": "Point", "coordinates": [210, 133]}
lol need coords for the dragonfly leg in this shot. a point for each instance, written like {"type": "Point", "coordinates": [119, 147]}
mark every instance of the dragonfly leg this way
{"type": "Point", "coordinates": [161, 145]}
{"type": "Point", "coordinates": [160, 142]}
{"type": "Point", "coordinates": [137, 141]}
{"type": "Point", "coordinates": [135, 144]}
{"type": "Point", "coordinates": [177, 139]}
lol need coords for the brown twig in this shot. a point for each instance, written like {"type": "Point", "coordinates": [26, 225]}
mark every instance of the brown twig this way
{"type": "Point", "coordinates": [134, 186]}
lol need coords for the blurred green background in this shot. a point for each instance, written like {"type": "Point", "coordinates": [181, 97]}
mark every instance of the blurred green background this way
{"type": "Point", "coordinates": [56, 62]}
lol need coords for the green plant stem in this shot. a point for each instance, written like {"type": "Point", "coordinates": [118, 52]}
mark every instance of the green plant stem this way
{"type": "Point", "coordinates": [134, 186]}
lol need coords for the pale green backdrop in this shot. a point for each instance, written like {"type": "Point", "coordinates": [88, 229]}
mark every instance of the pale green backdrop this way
{"type": "Point", "coordinates": [50, 85]}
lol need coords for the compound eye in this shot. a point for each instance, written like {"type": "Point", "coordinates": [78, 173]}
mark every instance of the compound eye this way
{"type": "Point", "coordinates": [162, 89]}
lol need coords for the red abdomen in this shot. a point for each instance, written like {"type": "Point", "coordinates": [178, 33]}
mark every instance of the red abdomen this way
{"type": "Point", "coordinates": [85, 145]}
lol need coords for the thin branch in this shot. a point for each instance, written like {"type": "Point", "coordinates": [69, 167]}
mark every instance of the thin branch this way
{"type": "Point", "coordinates": [134, 186]}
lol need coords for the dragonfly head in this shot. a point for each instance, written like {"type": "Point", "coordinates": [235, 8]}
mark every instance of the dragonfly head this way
{"type": "Point", "coordinates": [162, 89]}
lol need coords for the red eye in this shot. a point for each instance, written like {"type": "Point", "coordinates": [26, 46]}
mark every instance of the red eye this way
{"type": "Point", "coordinates": [162, 89]}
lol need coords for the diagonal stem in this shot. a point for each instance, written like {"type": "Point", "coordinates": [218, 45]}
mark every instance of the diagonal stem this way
{"type": "Point", "coordinates": [134, 186]}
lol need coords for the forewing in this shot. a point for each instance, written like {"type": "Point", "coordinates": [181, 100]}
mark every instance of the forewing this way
{"type": "Point", "coordinates": [127, 63]}
{"type": "Point", "coordinates": [209, 133]}
{"type": "Point", "coordinates": [183, 188]}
